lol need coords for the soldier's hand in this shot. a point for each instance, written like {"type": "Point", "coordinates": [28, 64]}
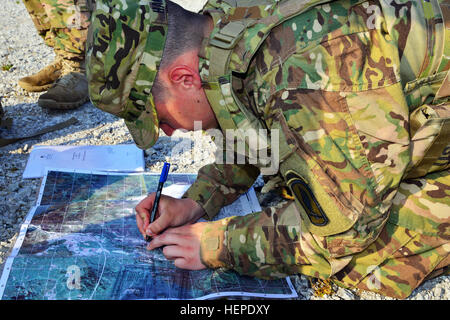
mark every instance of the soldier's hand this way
{"type": "Point", "coordinates": [171, 212]}
{"type": "Point", "coordinates": [182, 245]}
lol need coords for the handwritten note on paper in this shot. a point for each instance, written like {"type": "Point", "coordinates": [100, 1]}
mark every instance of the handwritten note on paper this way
{"type": "Point", "coordinates": [121, 158]}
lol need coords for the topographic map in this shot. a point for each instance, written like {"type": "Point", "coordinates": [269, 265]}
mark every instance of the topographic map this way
{"type": "Point", "coordinates": [81, 242]}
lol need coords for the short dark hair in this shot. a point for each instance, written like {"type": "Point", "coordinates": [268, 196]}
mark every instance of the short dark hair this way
{"type": "Point", "coordinates": [185, 32]}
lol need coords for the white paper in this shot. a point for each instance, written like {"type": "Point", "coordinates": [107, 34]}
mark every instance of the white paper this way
{"type": "Point", "coordinates": [122, 158]}
{"type": "Point", "coordinates": [175, 190]}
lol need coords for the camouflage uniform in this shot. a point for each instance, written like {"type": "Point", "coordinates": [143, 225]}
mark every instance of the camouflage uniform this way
{"type": "Point", "coordinates": [63, 24]}
{"type": "Point", "coordinates": [358, 91]}
{"type": "Point", "coordinates": [339, 81]}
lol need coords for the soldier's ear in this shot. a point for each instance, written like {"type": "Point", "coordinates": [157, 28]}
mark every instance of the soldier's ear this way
{"type": "Point", "coordinates": [184, 77]}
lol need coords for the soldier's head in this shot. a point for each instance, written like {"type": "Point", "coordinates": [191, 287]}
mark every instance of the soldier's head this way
{"type": "Point", "coordinates": [142, 65]}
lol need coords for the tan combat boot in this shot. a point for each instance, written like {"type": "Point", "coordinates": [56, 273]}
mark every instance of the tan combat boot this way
{"type": "Point", "coordinates": [70, 91]}
{"type": "Point", "coordinates": [43, 79]}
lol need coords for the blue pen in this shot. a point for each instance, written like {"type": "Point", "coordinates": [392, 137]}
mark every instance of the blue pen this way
{"type": "Point", "coordinates": [162, 179]}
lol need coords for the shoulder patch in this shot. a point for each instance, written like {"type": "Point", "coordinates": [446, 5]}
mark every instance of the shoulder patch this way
{"type": "Point", "coordinates": [303, 193]}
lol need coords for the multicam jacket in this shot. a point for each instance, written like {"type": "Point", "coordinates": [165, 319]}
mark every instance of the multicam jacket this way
{"type": "Point", "coordinates": [356, 93]}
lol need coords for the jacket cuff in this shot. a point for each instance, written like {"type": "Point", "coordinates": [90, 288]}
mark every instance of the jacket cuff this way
{"type": "Point", "coordinates": [213, 249]}
{"type": "Point", "coordinates": [210, 200]}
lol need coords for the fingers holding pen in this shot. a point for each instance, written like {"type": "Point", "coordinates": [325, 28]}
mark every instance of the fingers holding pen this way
{"type": "Point", "coordinates": [166, 239]}
{"type": "Point", "coordinates": [143, 210]}
{"type": "Point", "coordinates": [142, 220]}
{"type": "Point", "coordinates": [182, 245]}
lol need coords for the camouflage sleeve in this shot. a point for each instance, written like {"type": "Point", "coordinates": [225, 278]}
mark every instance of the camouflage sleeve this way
{"type": "Point", "coordinates": [267, 244]}
{"type": "Point", "coordinates": [218, 185]}
{"type": "Point", "coordinates": [272, 244]}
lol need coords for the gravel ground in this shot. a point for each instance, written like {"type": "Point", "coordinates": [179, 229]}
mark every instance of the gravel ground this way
{"type": "Point", "coordinates": [24, 52]}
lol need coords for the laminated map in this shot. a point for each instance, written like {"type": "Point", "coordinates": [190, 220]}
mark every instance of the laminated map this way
{"type": "Point", "coordinates": [80, 242]}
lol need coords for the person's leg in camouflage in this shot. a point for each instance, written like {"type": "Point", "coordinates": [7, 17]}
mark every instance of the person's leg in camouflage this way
{"type": "Point", "coordinates": [42, 80]}
{"type": "Point", "coordinates": [414, 245]}
{"type": "Point", "coordinates": [64, 26]}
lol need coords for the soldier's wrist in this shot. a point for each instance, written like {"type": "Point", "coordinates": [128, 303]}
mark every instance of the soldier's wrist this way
{"type": "Point", "coordinates": [195, 208]}
{"type": "Point", "coordinates": [209, 208]}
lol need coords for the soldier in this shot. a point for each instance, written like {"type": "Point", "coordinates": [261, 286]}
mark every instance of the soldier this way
{"type": "Point", "coordinates": [356, 92]}
{"type": "Point", "coordinates": [63, 24]}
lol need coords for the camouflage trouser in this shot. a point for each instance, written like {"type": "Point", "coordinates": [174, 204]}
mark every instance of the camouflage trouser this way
{"type": "Point", "coordinates": [63, 24]}
{"type": "Point", "coordinates": [415, 244]}
{"type": "Point", "coordinates": [419, 226]}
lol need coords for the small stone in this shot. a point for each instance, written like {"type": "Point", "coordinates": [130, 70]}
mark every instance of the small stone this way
{"type": "Point", "coordinates": [345, 294]}
{"type": "Point", "coordinates": [438, 292]}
